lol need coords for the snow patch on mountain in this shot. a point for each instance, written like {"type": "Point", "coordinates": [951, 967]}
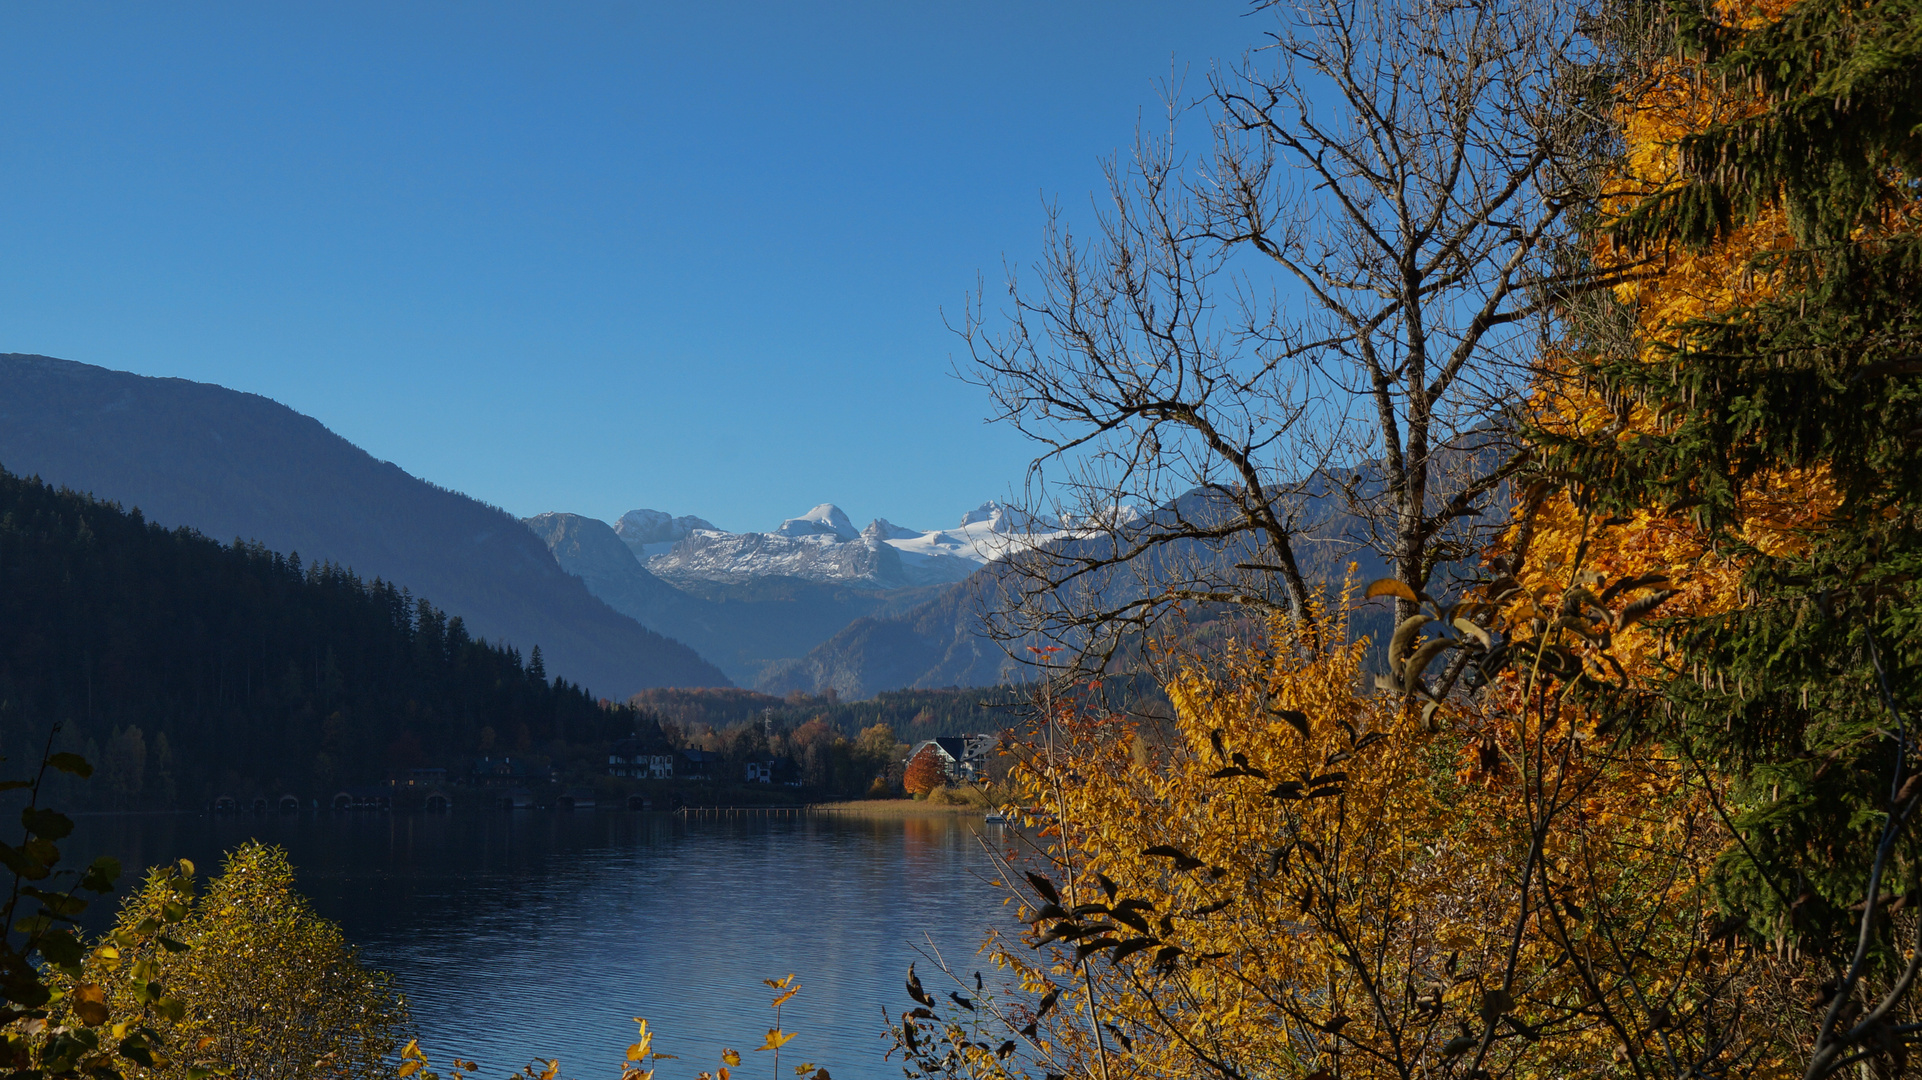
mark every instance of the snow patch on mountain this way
{"type": "Point", "coordinates": [823, 545]}
{"type": "Point", "coordinates": [824, 520]}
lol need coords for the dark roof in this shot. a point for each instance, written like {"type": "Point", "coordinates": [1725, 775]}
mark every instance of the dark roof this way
{"type": "Point", "coordinates": [954, 746]}
{"type": "Point", "coordinates": [702, 756]}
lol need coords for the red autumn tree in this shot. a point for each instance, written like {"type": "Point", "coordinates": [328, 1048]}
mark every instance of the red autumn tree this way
{"type": "Point", "coordinates": [925, 773]}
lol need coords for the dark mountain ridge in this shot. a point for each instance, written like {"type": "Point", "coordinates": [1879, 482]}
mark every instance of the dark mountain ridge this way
{"type": "Point", "coordinates": [237, 465]}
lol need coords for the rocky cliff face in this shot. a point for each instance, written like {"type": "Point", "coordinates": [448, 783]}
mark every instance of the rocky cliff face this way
{"type": "Point", "coordinates": [652, 532]}
{"type": "Point", "coordinates": [741, 557]}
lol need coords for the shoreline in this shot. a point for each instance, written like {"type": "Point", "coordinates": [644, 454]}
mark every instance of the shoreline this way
{"type": "Point", "coordinates": [893, 808]}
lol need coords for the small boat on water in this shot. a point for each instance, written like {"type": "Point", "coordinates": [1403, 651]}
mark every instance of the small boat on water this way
{"type": "Point", "coordinates": [995, 817]}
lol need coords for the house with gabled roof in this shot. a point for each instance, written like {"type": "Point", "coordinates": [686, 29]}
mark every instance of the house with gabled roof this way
{"type": "Point", "coordinates": [964, 757]}
{"type": "Point", "coordinates": [642, 759]}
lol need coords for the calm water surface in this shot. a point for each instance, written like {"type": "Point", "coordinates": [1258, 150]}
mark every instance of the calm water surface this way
{"type": "Point", "coordinates": [518, 935]}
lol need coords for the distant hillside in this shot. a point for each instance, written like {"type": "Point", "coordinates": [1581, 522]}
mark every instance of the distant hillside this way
{"type": "Point", "coordinates": [744, 627]}
{"type": "Point", "coordinates": [186, 669]}
{"type": "Point", "coordinates": [945, 641]}
{"type": "Point", "coordinates": [941, 643]}
{"type": "Point", "coordinates": [235, 465]}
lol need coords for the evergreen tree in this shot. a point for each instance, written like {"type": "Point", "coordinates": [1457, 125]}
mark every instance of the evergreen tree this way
{"type": "Point", "coordinates": [191, 669]}
{"type": "Point", "coordinates": [1804, 687]}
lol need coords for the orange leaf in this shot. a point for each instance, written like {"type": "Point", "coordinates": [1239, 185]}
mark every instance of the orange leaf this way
{"type": "Point", "coordinates": [1390, 587]}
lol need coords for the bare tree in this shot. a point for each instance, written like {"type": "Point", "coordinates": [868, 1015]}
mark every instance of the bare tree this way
{"type": "Point", "coordinates": [1308, 345]}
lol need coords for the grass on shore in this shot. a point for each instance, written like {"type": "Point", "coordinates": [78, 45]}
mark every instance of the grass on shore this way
{"type": "Point", "coordinates": [940, 801]}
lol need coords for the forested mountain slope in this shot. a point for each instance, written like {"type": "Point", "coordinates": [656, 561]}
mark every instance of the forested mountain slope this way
{"type": "Point", "coordinates": [234, 465]}
{"type": "Point", "coordinates": [186, 668]}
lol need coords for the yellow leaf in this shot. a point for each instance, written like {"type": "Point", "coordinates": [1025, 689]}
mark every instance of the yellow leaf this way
{"type": "Point", "coordinates": [732, 1057]}
{"type": "Point", "coordinates": [412, 1050]}
{"type": "Point", "coordinates": [1476, 632]}
{"type": "Point", "coordinates": [776, 1038]}
{"type": "Point", "coordinates": [780, 984]}
{"type": "Point", "coordinates": [553, 1069]}
{"type": "Point", "coordinates": [408, 1069]}
{"type": "Point", "coordinates": [90, 1004]}
{"type": "Point", "coordinates": [1390, 587]}
{"type": "Point", "coordinates": [783, 999]}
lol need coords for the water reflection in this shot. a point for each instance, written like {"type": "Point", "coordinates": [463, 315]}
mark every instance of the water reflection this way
{"type": "Point", "coordinates": [525, 934]}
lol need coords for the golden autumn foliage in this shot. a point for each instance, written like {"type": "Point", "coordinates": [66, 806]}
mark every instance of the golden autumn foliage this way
{"type": "Point", "coordinates": [1293, 877]}
{"type": "Point", "coordinates": [262, 986]}
{"type": "Point", "coordinates": [1668, 291]}
{"type": "Point", "coordinates": [1738, 678]}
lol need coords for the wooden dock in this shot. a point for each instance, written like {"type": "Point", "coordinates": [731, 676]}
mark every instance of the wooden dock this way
{"type": "Point", "coordinates": [795, 810]}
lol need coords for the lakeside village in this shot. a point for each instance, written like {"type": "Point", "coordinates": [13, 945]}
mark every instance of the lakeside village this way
{"type": "Point", "coordinates": [643, 774]}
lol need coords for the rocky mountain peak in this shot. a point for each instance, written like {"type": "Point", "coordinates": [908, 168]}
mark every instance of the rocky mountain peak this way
{"type": "Point", "coordinates": [641, 527]}
{"type": "Point", "coordinates": [824, 520]}
{"type": "Point", "coordinates": [882, 530]}
{"type": "Point", "coordinates": [996, 516]}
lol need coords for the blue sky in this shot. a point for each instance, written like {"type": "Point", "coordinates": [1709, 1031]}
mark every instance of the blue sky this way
{"type": "Point", "coordinates": [574, 257]}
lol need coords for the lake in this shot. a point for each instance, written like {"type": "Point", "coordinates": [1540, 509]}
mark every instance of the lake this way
{"type": "Point", "coordinates": [540, 934]}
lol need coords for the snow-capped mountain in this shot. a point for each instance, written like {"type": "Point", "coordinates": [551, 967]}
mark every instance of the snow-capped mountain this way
{"type": "Point", "coordinates": [823, 545]}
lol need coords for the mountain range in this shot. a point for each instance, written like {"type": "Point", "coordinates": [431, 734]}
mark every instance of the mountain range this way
{"type": "Point", "coordinates": [236, 465]}
{"type": "Point", "coordinates": [744, 624]}
{"type": "Point", "coordinates": [653, 599]}
{"type": "Point", "coordinates": [823, 545]}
